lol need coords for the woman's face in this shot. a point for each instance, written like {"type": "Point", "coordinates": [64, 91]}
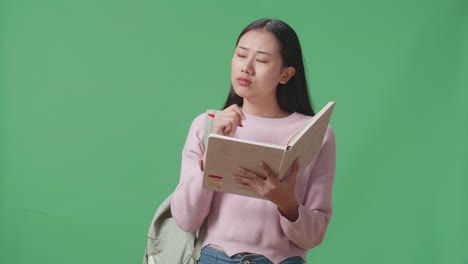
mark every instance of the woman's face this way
{"type": "Point", "coordinates": [257, 66]}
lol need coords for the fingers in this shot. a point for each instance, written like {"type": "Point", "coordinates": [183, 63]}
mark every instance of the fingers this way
{"type": "Point", "coordinates": [245, 175]}
{"type": "Point", "coordinates": [263, 185]}
{"type": "Point", "coordinates": [246, 179]}
{"type": "Point", "coordinates": [227, 121]}
{"type": "Point", "coordinates": [270, 188]}
{"type": "Point", "coordinates": [242, 182]}
{"type": "Point", "coordinates": [226, 127]}
{"type": "Point", "coordinates": [234, 112]}
{"type": "Point", "coordinates": [238, 111]}
{"type": "Point", "coordinates": [267, 170]}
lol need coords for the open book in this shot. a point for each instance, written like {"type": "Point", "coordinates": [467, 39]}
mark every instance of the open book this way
{"type": "Point", "coordinates": [225, 154]}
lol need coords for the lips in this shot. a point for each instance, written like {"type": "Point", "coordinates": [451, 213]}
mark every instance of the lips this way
{"type": "Point", "coordinates": [244, 82]}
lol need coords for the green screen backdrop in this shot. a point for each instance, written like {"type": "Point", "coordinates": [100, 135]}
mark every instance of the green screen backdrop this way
{"type": "Point", "coordinates": [96, 99]}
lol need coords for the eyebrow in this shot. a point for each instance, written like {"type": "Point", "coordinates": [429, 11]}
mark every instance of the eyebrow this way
{"type": "Point", "coordinates": [258, 51]}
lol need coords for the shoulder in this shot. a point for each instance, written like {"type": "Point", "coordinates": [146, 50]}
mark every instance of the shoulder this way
{"type": "Point", "coordinates": [197, 129]}
{"type": "Point", "coordinates": [198, 121]}
{"type": "Point", "coordinates": [198, 124]}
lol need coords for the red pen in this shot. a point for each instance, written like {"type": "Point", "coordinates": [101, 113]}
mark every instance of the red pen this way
{"type": "Point", "coordinates": [213, 116]}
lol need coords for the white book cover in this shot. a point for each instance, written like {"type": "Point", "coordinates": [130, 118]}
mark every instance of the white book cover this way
{"type": "Point", "coordinates": [225, 154]}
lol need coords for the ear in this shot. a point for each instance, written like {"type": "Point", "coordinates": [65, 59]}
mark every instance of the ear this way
{"type": "Point", "coordinates": [287, 74]}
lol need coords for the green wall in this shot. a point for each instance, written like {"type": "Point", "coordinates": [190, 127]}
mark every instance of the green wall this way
{"type": "Point", "coordinates": [96, 98]}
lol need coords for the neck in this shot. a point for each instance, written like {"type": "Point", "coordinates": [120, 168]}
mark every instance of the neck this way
{"type": "Point", "coordinates": [263, 109]}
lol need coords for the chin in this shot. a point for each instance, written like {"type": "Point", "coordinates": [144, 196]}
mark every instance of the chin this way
{"type": "Point", "coordinates": [241, 91]}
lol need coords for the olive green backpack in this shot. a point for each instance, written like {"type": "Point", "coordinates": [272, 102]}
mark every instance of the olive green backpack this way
{"type": "Point", "coordinates": [167, 243]}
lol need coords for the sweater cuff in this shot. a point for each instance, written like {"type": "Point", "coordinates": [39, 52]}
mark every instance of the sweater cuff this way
{"type": "Point", "coordinates": [285, 221]}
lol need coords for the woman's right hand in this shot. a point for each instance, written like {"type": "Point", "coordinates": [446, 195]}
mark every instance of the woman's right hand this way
{"type": "Point", "coordinates": [226, 121]}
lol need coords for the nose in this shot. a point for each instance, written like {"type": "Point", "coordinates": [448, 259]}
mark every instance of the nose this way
{"type": "Point", "coordinates": [247, 68]}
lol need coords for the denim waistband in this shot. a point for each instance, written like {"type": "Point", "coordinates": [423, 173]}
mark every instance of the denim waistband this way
{"type": "Point", "coordinates": [211, 255]}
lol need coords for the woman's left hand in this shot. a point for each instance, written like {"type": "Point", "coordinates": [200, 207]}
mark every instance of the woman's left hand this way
{"type": "Point", "coordinates": [282, 193]}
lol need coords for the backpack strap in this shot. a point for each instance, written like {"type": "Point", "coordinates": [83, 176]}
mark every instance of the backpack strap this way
{"type": "Point", "coordinates": [208, 126]}
{"type": "Point", "coordinates": [201, 233]}
{"type": "Point", "coordinates": [199, 242]}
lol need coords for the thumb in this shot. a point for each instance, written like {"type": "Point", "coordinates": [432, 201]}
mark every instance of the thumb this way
{"type": "Point", "coordinates": [293, 172]}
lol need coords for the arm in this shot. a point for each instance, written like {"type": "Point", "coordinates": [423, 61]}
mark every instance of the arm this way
{"type": "Point", "coordinates": [315, 210]}
{"type": "Point", "coordinates": [190, 202]}
{"type": "Point", "coordinates": [304, 221]}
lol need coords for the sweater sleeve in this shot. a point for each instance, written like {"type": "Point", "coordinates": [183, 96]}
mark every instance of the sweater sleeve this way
{"type": "Point", "coordinates": [315, 210]}
{"type": "Point", "coordinates": [190, 202]}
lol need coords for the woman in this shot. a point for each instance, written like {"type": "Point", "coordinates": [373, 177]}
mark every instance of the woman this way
{"type": "Point", "coordinates": [267, 102]}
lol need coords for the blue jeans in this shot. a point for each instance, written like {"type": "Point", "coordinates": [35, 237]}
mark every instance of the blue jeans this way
{"type": "Point", "coordinates": [210, 255]}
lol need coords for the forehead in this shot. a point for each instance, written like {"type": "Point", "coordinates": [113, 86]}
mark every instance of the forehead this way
{"type": "Point", "coordinates": [261, 40]}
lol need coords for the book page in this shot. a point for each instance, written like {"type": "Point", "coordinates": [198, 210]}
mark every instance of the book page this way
{"type": "Point", "coordinates": [308, 145]}
{"type": "Point", "coordinates": [325, 112]}
{"type": "Point", "coordinates": [298, 133]}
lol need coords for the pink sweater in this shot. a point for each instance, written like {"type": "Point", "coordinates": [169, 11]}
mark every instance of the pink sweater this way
{"type": "Point", "coordinates": [243, 224]}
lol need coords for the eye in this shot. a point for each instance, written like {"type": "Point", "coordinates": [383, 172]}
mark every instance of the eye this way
{"type": "Point", "coordinates": [262, 59]}
{"type": "Point", "coordinates": [241, 55]}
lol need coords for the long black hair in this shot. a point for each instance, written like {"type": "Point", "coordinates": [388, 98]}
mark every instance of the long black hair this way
{"type": "Point", "coordinates": [294, 95]}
